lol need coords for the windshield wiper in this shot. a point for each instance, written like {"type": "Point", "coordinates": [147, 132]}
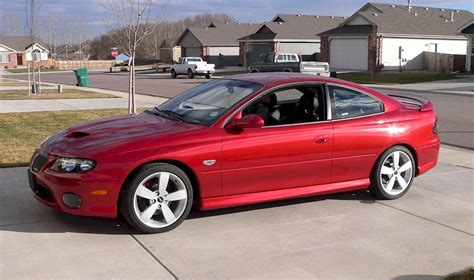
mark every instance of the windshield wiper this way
{"type": "Point", "coordinates": [169, 113]}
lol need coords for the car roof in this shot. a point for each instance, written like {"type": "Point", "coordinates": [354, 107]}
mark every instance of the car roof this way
{"type": "Point", "coordinates": [269, 80]}
{"type": "Point", "coordinates": [282, 78]}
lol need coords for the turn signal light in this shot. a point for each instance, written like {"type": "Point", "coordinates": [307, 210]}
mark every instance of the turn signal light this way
{"type": "Point", "coordinates": [99, 192]}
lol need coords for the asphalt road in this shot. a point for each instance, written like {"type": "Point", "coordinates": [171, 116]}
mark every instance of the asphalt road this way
{"type": "Point", "coordinates": [424, 235]}
{"type": "Point", "coordinates": [455, 112]}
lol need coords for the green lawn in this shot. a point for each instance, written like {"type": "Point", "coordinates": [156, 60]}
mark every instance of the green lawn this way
{"type": "Point", "coordinates": [394, 77]}
{"type": "Point", "coordinates": [21, 133]}
{"type": "Point", "coordinates": [51, 94]}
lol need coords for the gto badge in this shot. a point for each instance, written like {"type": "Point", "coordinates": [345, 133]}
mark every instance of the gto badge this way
{"type": "Point", "coordinates": [209, 162]}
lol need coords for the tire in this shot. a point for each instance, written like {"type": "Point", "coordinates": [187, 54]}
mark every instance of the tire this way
{"type": "Point", "coordinates": [208, 76]}
{"type": "Point", "coordinates": [391, 180]}
{"type": "Point", "coordinates": [190, 74]}
{"type": "Point", "coordinates": [173, 74]}
{"type": "Point", "coordinates": [157, 199]}
{"type": "Point", "coordinates": [254, 71]}
{"type": "Point", "coordinates": [287, 70]}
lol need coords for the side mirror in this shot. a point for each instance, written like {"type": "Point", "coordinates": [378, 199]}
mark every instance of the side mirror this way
{"type": "Point", "coordinates": [249, 121]}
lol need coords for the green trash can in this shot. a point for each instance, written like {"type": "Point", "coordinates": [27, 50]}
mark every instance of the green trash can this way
{"type": "Point", "coordinates": [82, 77]}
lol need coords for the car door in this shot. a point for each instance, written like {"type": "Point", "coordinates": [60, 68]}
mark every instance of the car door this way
{"type": "Point", "coordinates": [358, 137]}
{"type": "Point", "coordinates": [278, 156]}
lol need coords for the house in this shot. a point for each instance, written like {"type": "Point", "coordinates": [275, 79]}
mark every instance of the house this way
{"type": "Point", "coordinates": [216, 43]}
{"type": "Point", "coordinates": [467, 30]}
{"type": "Point", "coordinates": [18, 50]}
{"type": "Point", "coordinates": [287, 33]}
{"type": "Point", "coordinates": [169, 51]}
{"type": "Point", "coordinates": [393, 37]}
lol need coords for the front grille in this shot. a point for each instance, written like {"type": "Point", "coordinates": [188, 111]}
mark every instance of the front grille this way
{"type": "Point", "coordinates": [38, 162]}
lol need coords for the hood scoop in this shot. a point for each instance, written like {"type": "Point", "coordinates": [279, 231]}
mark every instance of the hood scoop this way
{"type": "Point", "coordinates": [77, 134]}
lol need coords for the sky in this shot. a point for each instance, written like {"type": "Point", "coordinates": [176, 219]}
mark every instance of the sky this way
{"type": "Point", "coordinates": [92, 14]}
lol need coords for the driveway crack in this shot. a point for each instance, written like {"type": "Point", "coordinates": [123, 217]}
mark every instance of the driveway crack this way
{"type": "Point", "coordinates": [426, 219]}
{"type": "Point", "coordinates": [153, 256]}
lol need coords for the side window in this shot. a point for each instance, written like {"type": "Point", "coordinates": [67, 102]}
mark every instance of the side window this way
{"type": "Point", "coordinates": [281, 58]}
{"type": "Point", "coordinates": [348, 103]}
{"type": "Point", "coordinates": [290, 106]}
{"type": "Point", "coordinates": [269, 58]}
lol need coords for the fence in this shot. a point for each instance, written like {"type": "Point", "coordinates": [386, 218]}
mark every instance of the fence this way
{"type": "Point", "coordinates": [443, 62]}
{"type": "Point", "coordinates": [89, 64]}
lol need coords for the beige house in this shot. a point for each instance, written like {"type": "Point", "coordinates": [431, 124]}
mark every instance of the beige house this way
{"type": "Point", "coordinates": [18, 51]}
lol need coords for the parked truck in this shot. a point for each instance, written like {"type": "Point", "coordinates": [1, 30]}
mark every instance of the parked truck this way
{"type": "Point", "coordinates": [288, 62]}
{"type": "Point", "coordinates": [192, 66]}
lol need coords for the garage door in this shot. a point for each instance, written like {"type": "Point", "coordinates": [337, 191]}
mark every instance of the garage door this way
{"type": "Point", "coordinates": [348, 54]}
{"type": "Point", "coordinates": [192, 52]}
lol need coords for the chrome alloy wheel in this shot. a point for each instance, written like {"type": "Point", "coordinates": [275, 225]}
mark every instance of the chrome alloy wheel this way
{"type": "Point", "coordinates": [160, 199]}
{"type": "Point", "coordinates": [396, 173]}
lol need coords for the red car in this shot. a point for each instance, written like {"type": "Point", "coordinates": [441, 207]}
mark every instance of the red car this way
{"type": "Point", "coordinates": [239, 140]}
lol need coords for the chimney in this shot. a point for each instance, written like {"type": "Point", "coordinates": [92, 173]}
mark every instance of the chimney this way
{"type": "Point", "coordinates": [452, 16]}
{"type": "Point", "coordinates": [409, 5]}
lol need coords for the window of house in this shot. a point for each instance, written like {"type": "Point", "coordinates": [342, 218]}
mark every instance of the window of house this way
{"type": "Point", "coordinates": [4, 57]}
{"type": "Point", "coordinates": [347, 103]}
{"type": "Point", "coordinates": [302, 104]}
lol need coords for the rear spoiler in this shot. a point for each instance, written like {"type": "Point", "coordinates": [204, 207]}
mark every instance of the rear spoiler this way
{"type": "Point", "coordinates": [422, 103]}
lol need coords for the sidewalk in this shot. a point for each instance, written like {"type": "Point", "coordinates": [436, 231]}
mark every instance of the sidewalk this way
{"type": "Point", "coordinates": [11, 106]}
{"type": "Point", "coordinates": [460, 86]}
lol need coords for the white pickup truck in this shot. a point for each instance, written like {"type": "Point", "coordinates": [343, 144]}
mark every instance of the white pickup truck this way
{"type": "Point", "coordinates": [192, 66]}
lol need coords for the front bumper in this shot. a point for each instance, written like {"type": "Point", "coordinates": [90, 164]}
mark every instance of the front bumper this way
{"type": "Point", "coordinates": [98, 193]}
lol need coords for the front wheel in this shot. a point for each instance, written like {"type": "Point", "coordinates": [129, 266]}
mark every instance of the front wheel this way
{"type": "Point", "coordinates": [393, 174]}
{"type": "Point", "coordinates": [208, 76]}
{"type": "Point", "coordinates": [173, 74]}
{"type": "Point", "coordinates": [157, 199]}
{"type": "Point", "coordinates": [190, 74]}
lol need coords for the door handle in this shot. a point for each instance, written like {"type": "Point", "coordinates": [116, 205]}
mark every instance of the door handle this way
{"type": "Point", "coordinates": [321, 139]}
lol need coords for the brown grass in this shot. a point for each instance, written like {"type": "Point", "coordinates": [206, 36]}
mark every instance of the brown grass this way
{"type": "Point", "coordinates": [22, 133]}
{"type": "Point", "coordinates": [51, 94]}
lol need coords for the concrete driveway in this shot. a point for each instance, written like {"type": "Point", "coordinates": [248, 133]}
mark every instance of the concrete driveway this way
{"type": "Point", "coordinates": [428, 233]}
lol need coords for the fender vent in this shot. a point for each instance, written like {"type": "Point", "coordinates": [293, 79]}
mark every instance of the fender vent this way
{"type": "Point", "coordinates": [77, 134]}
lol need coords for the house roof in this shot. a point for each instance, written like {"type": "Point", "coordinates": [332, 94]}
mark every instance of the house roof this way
{"type": "Point", "coordinates": [396, 19]}
{"type": "Point", "coordinates": [221, 34]}
{"type": "Point", "coordinates": [169, 42]}
{"type": "Point", "coordinates": [296, 27]}
{"type": "Point", "coordinates": [20, 43]}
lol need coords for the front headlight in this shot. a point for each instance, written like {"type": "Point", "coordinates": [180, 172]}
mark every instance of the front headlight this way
{"type": "Point", "coordinates": [73, 165]}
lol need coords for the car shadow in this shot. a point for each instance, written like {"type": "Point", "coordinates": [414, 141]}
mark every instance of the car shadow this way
{"type": "Point", "coordinates": [58, 222]}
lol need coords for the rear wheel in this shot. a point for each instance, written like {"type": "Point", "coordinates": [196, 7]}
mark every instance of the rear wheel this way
{"type": "Point", "coordinates": [393, 174]}
{"type": "Point", "coordinates": [208, 76]}
{"type": "Point", "coordinates": [158, 199]}
{"type": "Point", "coordinates": [190, 74]}
{"type": "Point", "coordinates": [173, 73]}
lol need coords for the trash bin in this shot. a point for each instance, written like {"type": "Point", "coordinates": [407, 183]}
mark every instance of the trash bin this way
{"type": "Point", "coordinates": [82, 77]}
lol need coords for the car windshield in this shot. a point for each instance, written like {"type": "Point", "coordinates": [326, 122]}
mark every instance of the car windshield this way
{"type": "Point", "coordinates": [206, 103]}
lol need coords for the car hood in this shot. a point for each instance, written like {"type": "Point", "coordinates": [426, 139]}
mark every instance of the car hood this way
{"type": "Point", "coordinates": [103, 135]}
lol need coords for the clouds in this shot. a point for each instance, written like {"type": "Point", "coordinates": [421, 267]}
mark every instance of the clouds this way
{"type": "Point", "coordinates": [92, 13]}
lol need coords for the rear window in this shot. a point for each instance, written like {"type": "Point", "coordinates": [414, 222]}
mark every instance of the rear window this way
{"type": "Point", "coordinates": [347, 103]}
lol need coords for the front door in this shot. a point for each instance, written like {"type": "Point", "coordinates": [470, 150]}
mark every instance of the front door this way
{"type": "Point", "coordinates": [291, 150]}
{"type": "Point", "coordinates": [19, 59]}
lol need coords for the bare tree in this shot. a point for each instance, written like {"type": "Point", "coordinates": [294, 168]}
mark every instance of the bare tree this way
{"type": "Point", "coordinates": [52, 34]}
{"type": "Point", "coordinates": [32, 8]}
{"type": "Point", "coordinates": [10, 24]}
{"type": "Point", "coordinates": [129, 23]}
